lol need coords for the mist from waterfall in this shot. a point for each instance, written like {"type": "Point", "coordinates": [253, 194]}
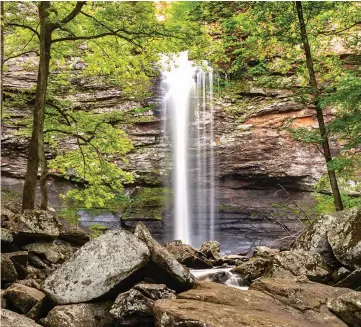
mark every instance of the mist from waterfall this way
{"type": "Point", "coordinates": [188, 116]}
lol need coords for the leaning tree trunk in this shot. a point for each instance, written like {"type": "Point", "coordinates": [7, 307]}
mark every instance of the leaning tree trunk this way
{"type": "Point", "coordinates": [321, 122]}
{"type": "Point", "coordinates": [36, 147]}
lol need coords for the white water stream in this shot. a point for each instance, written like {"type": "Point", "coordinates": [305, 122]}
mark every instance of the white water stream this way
{"type": "Point", "coordinates": [188, 110]}
{"type": "Point", "coordinates": [220, 275]}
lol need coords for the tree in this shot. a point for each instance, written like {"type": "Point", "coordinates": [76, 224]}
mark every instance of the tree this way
{"type": "Point", "coordinates": [133, 30]}
{"type": "Point", "coordinates": [262, 43]}
{"type": "Point", "coordinates": [320, 118]}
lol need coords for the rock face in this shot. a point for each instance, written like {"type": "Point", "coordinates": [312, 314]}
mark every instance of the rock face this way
{"type": "Point", "coordinates": [336, 237]}
{"type": "Point", "coordinates": [188, 256]}
{"type": "Point", "coordinates": [97, 268]}
{"type": "Point", "coordinates": [177, 277]}
{"type": "Point", "coordinates": [347, 307]}
{"type": "Point", "coordinates": [13, 319]}
{"type": "Point", "coordinates": [135, 307]}
{"type": "Point", "coordinates": [252, 154]}
{"type": "Point", "coordinates": [80, 315]}
{"type": "Point", "coordinates": [214, 305]}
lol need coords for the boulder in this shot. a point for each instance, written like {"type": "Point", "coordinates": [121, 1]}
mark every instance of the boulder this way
{"type": "Point", "coordinates": [252, 269]}
{"type": "Point", "coordinates": [80, 315]}
{"type": "Point", "coordinates": [265, 252]}
{"type": "Point", "coordinates": [8, 271]}
{"type": "Point", "coordinates": [74, 234]}
{"type": "Point", "coordinates": [135, 307]}
{"type": "Point", "coordinates": [345, 238]}
{"type": "Point", "coordinates": [171, 272]}
{"type": "Point", "coordinates": [336, 238]}
{"type": "Point", "coordinates": [347, 307]}
{"type": "Point", "coordinates": [288, 264]}
{"type": "Point", "coordinates": [234, 259]}
{"type": "Point", "coordinates": [97, 268]}
{"type": "Point", "coordinates": [20, 261]}
{"type": "Point", "coordinates": [352, 280]}
{"type": "Point", "coordinates": [25, 299]}
{"type": "Point", "coordinates": [214, 305]}
{"type": "Point", "coordinates": [54, 252]}
{"type": "Point", "coordinates": [38, 224]}
{"type": "Point", "coordinates": [211, 250]}
{"type": "Point", "coordinates": [7, 218]}
{"type": "Point", "coordinates": [6, 236]}
{"type": "Point", "coordinates": [13, 319]}
{"type": "Point", "coordinates": [188, 256]}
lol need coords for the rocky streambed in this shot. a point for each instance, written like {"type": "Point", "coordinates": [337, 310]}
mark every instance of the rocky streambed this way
{"type": "Point", "coordinates": [53, 274]}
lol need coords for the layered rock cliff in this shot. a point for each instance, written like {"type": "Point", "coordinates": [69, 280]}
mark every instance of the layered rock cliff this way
{"type": "Point", "coordinates": [262, 174]}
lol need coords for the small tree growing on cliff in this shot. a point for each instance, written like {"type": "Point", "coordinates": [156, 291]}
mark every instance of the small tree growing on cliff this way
{"type": "Point", "coordinates": [269, 44]}
{"type": "Point", "coordinates": [60, 29]}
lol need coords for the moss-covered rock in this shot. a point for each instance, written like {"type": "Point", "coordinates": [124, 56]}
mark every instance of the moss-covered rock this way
{"type": "Point", "coordinates": [147, 204]}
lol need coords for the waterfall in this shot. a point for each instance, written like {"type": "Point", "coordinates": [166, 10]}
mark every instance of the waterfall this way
{"type": "Point", "coordinates": [188, 115]}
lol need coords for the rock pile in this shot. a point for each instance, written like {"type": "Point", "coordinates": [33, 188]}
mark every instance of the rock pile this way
{"type": "Point", "coordinates": [54, 276]}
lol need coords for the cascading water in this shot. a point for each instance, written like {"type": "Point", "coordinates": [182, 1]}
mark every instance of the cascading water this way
{"type": "Point", "coordinates": [188, 110]}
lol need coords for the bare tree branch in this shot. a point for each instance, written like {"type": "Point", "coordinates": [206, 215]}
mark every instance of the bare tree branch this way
{"type": "Point", "coordinates": [19, 55]}
{"type": "Point", "coordinates": [294, 201]}
{"type": "Point", "coordinates": [24, 26]}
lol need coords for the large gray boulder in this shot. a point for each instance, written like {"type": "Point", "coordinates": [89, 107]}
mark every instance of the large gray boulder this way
{"type": "Point", "coordinates": [336, 237]}
{"type": "Point", "coordinates": [165, 269]}
{"type": "Point", "coordinates": [347, 307]}
{"type": "Point", "coordinates": [97, 267]}
{"type": "Point", "coordinates": [345, 238]}
{"type": "Point", "coordinates": [80, 315]}
{"type": "Point", "coordinates": [135, 307]}
{"type": "Point", "coordinates": [13, 319]}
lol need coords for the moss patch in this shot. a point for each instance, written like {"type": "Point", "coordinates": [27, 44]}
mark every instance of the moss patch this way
{"type": "Point", "coordinates": [147, 204]}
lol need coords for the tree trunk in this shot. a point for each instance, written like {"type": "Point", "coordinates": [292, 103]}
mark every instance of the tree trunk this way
{"type": "Point", "coordinates": [36, 146]}
{"type": "Point", "coordinates": [321, 121]}
{"type": "Point", "coordinates": [2, 56]}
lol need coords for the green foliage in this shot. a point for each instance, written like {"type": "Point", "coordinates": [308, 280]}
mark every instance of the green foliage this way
{"type": "Point", "coordinates": [69, 214]}
{"type": "Point", "coordinates": [148, 203]}
{"type": "Point", "coordinates": [97, 230]}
